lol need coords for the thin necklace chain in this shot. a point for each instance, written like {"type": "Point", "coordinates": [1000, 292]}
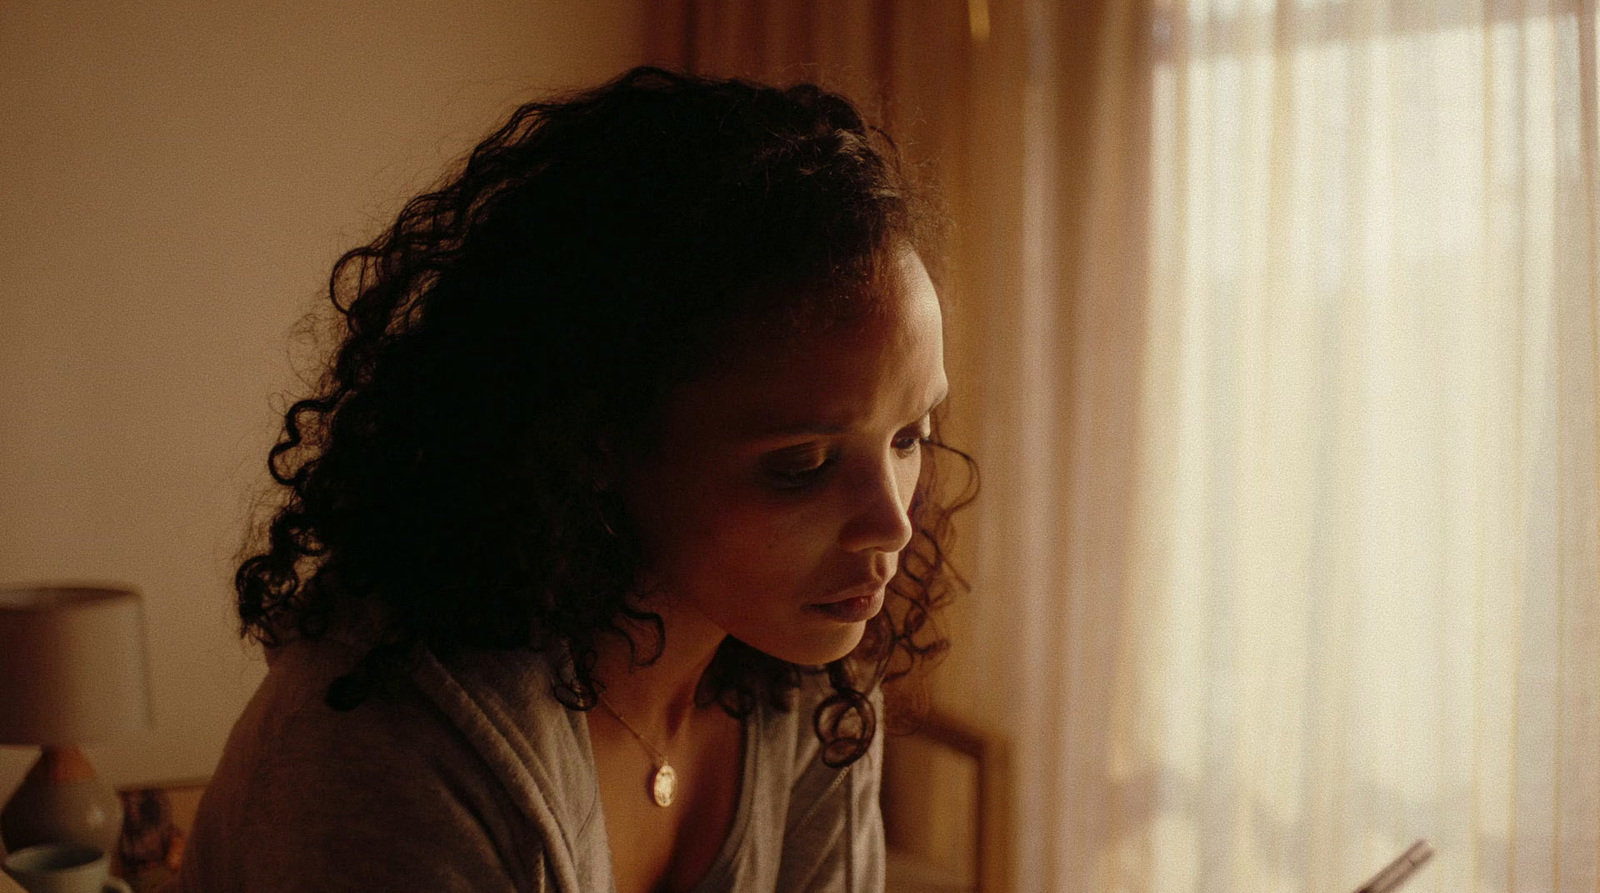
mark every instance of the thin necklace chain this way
{"type": "Point", "coordinates": [658, 754]}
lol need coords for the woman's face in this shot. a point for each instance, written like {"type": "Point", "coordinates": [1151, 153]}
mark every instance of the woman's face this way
{"type": "Point", "coordinates": [781, 484]}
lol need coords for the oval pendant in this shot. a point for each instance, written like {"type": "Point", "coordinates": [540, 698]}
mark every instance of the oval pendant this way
{"type": "Point", "coordinates": [663, 785]}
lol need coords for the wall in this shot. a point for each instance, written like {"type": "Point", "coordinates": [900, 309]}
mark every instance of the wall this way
{"type": "Point", "coordinates": [175, 181]}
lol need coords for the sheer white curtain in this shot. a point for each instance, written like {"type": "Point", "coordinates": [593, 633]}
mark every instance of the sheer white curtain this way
{"type": "Point", "coordinates": [1351, 598]}
{"type": "Point", "coordinates": [1371, 380]}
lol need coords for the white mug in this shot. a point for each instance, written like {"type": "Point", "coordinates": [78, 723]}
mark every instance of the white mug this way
{"type": "Point", "coordinates": [62, 868]}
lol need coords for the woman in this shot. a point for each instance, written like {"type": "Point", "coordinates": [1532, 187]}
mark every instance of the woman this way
{"type": "Point", "coordinates": [613, 511]}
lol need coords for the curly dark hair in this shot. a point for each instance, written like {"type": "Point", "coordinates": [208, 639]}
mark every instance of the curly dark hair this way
{"type": "Point", "coordinates": [585, 258]}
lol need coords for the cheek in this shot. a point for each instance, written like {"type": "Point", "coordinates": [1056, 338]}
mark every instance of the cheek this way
{"type": "Point", "coordinates": [910, 475]}
{"type": "Point", "coordinates": [719, 542]}
{"type": "Point", "coordinates": [749, 547]}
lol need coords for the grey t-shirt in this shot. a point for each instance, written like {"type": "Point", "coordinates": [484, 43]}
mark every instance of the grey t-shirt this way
{"type": "Point", "coordinates": [471, 776]}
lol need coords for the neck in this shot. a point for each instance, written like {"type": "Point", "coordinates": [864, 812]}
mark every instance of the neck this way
{"type": "Point", "coordinates": [659, 699]}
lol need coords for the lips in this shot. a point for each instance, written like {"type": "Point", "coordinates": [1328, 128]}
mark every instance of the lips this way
{"type": "Point", "coordinates": [857, 590]}
{"type": "Point", "coordinates": [854, 605]}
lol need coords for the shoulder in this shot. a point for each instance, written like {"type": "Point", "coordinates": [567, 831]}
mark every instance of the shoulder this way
{"type": "Point", "coordinates": [833, 830]}
{"type": "Point", "coordinates": [390, 794]}
{"type": "Point", "coordinates": [816, 787]}
{"type": "Point", "coordinates": [801, 722]}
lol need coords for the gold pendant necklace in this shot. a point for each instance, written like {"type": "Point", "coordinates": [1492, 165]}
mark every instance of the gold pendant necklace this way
{"type": "Point", "coordinates": [664, 781]}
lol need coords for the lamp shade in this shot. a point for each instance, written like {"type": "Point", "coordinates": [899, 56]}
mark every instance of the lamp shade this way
{"type": "Point", "coordinates": [72, 664]}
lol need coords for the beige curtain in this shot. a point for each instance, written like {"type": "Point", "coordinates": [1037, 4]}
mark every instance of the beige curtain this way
{"type": "Point", "coordinates": [1274, 330]}
{"type": "Point", "coordinates": [1365, 604]}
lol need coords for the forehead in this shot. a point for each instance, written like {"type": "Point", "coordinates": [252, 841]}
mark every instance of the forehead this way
{"type": "Point", "coordinates": [874, 369]}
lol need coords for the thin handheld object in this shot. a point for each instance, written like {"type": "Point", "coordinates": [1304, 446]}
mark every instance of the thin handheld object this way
{"type": "Point", "coordinates": [1395, 873]}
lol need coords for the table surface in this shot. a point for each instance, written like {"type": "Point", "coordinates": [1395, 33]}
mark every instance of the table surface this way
{"type": "Point", "coordinates": [7, 885]}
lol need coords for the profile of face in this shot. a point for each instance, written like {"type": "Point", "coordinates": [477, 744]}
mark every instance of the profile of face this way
{"type": "Point", "coordinates": [776, 502]}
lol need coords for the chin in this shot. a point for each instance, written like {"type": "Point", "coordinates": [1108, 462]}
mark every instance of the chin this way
{"type": "Point", "coordinates": [814, 651]}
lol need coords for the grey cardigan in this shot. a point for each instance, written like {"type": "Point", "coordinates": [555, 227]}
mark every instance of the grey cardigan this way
{"type": "Point", "coordinates": [470, 776]}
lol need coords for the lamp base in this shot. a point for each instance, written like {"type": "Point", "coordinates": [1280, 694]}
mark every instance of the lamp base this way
{"type": "Point", "coordinates": [62, 800]}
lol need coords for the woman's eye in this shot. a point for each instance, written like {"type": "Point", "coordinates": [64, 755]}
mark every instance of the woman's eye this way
{"type": "Point", "coordinates": [798, 471]}
{"type": "Point", "coordinates": [908, 443]}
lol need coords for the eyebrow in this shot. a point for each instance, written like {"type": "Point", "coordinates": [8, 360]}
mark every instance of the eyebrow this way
{"type": "Point", "coordinates": [829, 429]}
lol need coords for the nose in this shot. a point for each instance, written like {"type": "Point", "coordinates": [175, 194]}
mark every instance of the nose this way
{"type": "Point", "coordinates": [879, 518]}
